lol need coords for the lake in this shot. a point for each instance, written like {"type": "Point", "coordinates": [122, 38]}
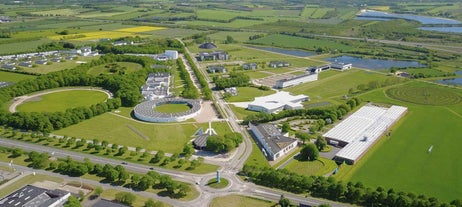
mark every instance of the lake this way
{"type": "Point", "coordinates": [298, 53]}
{"type": "Point", "coordinates": [451, 81]}
{"type": "Point", "coordinates": [443, 29]}
{"type": "Point", "coordinates": [375, 64]}
{"type": "Point", "coordinates": [378, 15]}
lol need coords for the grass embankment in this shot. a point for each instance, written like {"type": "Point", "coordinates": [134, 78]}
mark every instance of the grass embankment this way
{"type": "Point", "coordinates": [62, 100]}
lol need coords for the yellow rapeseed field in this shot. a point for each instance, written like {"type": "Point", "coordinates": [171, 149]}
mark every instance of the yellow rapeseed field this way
{"type": "Point", "coordinates": [380, 8]}
{"type": "Point", "coordinates": [139, 29]}
{"type": "Point", "coordinates": [131, 31]}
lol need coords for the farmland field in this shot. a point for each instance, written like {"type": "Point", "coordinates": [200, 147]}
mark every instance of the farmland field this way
{"type": "Point", "coordinates": [60, 101]}
{"type": "Point", "coordinates": [122, 32]}
{"type": "Point", "coordinates": [404, 162]}
{"type": "Point", "coordinates": [299, 42]}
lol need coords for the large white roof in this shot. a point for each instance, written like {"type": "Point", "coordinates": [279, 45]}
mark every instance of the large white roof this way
{"type": "Point", "coordinates": [363, 128]}
{"type": "Point", "coordinates": [279, 100]}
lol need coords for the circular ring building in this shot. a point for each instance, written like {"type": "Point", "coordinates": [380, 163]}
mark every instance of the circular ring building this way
{"type": "Point", "coordinates": [146, 111]}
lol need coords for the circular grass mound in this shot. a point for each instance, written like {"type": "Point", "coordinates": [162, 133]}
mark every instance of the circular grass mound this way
{"type": "Point", "coordinates": [424, 95]}
{"type": "Point", "coordinates": [62, 100]}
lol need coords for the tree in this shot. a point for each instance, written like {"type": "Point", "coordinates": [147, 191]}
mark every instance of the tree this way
{"type": "Point", "coordinates": [72, 202]}
{"type": "Point", "coordinates": [152, 203]}
{"type": "Point", "coordinates": [284, 202]}
{"type": "Point", "coordinates": [302, 136]}
{"type": "Point", "coordinates": [125, 198]}
{"type": "Point", "coordinates": [321, 143]}
{"type": "Point", "coordinates": [158, 157]}
{"type": "Point", "coordinates": [285, 127]}
{"type": "Point", "coordinates": [97, 191]}
{"type": "Point", "coordinates": [16, 152]}
{"type": "Point", "coordinates": [309, 152]}
{"type": "Point", "coordinates": [188, 150]}
{"type": "Point", "coordinates": [229, 40]}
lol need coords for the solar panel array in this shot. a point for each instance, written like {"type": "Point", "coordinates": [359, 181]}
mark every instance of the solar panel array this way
{"type": "Point", "coordinates": [145, 111]}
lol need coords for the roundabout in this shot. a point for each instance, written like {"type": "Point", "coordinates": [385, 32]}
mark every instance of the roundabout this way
{"type": "Point", "coordinates": [146, 111]}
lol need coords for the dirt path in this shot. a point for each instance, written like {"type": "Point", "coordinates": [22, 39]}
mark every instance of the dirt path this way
{"type": "Point", "coordinates": [21, 99]}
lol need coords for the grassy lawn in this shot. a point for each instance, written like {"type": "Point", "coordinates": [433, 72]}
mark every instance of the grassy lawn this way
{"type": "Point", "coordinates": [299, 42]}
{"type": "Point", "coordinates": [248, 94]}
{"type": "Point", "coordinates": [257, 74]}
{"type": "Point", "coordinates": [114, 128]}
{"type": "Point", "coordinates": [214, 184]}
{"type": "Point", "coordinates": [127, 67]}
{"type": "Point", "coordinates": [334, 84]}
{"type": "Point", "coordinates": [109, 194]}
{"type": "Point", "coordinates": [239, 201]}
{"type": "Point", "coordinates": [241, 113]}
{"type": "Point", "coordinates": [60, 101]}
{"type": "Point", "coordinates": [14, 77]}
{"type": "Point", "coordinates": [321, 166]}
{"type": "Point", "coordinates": [256, 157]}
{"type": "Point", "coordinates": [403, 162]}
{"type": "Point", "coordinates": [172, 108]}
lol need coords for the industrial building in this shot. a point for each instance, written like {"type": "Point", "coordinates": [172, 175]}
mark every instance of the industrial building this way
{"type": "Point", "coordinates": [296, 80]}
{"type": "Point", "coordinates": [357, 133]}
{"type": "Point", "coordinates": [277, 102]}
{"type": "Point", "coordinates": [272, 143]}
{"type": "Point", "coordinates": [34, 196]}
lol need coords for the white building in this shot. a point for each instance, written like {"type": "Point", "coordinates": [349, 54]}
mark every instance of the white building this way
{"type": "Point", "coordinates": [171, 54]}
{"type": "Point", "coordinates": [341, 66]}
{"type": "Point", "coordinates": [296, 80]}
{"type": "Point", "coordinates": [357, 133]}
{"type": "Point", "coordinates": [277, 102]}
{"type": "Point", "coordinates": [157, 86]}
{"type": "Point", "coordinates": [273, 144]}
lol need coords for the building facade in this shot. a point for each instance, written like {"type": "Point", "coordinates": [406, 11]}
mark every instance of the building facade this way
{"type": "Point", "coordinates": [271, 142]}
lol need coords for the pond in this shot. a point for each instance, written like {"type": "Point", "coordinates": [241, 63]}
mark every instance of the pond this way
{"type": "Point", "coordinates": [451, 81]}
{"type": "Point", "coordinates": [443, 29]}
{"type": "Point", "coordinates": [375, 64]}
{"type": "Point", "coordinates": [378, 15]}
{"type": "Point", "coordinates": [298, 53]}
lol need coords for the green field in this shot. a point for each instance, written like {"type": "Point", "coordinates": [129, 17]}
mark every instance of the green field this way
{"type": "Point", "coordinates": [172, 108]}
{"type": "Point", "coordinates": [239, 201]}
{"type": "Point", "coordinates": [118, 129]}
{"type": "Point", "coordinates": [14, 77]}
{"type": "Point", "coordinates": [286, 41]}
{"type": "Point", "coordinates": [248, 94]}
{"type": "Point", "coordinates": [60, 101]}
{"type": "Point", "coordinates": [65, 64]}
{"type": "Point", "coordinates": [322, 166]}
{"type": "Point", "coordinates": [403, 162]}
{"type": "Point", "coordinates": [332, 85]}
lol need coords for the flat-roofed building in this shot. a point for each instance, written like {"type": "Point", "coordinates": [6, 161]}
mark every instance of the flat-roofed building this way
{"type": "Point", "coordinates": [157, 86]}
{"type": "Point", "coordinates": [273, 144]}
{"type": "Point", "coordinates": [31, 196]}
{"type": "Point", "coordinates": [277, 102]}
{"type": "Point", "coordinates": [296, 80]}
{"type": "Point", "coordinates": [357, 133]}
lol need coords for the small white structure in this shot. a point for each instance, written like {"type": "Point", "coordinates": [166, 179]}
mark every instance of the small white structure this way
{"type": "Point", "coordinates": [274, 144]}
{"type": "Point", "coordinates": [341, 66]}
{"type": "Point", "coordinates": [277, 102]}
{"type": "Point", "coordinates": [357, 133]}
{"type": "Point", "coordinates": [171, 54]}
{"type": "Point", "coordinates": [296, 80]}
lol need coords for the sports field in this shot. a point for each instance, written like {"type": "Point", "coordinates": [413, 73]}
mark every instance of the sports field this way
{"type": "Point", "coordinates": [404, 161]}
{"type": "Point", "coordinates": [60, 101]}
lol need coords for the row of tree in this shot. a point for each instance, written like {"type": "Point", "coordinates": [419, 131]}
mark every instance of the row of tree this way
{"type": "Point", "coordinates": [206, 91]}
{"type": "Point", "coordinates": [152, 47]}
{"type": "Point", "coordinates": [329, 188]}
{"type": "Point", "coordinates": [189, 90]}
{"type": "Point", "coordinates": [117, 175]}
{"type": "Point", "coordinates": [328, 113]}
